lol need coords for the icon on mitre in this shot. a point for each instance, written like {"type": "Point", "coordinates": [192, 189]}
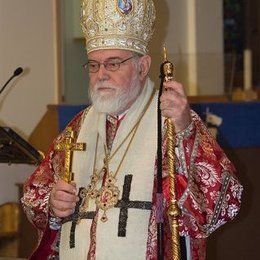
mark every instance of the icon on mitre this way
{"type": "Point", "coordinates": [125, 6]}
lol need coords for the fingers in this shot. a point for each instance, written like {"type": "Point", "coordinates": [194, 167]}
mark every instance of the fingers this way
{"type": "Point", "coordinates": [173, 99]}
{"type": "Point", "coordinates": [174, 86]}
{"type": "Point", "coordinates": [63, 199]}
{"type": "Point", "coordinates": [63, 209]}
{"type": "Point", "coordinates": [63, 185]}
{"type": "Point", "coordinates": [174, 105]}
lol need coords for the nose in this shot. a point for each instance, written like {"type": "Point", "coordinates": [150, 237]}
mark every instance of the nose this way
{"type": "Point", "coordinates": [102, 73]}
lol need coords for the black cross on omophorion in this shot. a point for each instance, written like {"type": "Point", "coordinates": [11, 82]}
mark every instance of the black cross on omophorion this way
{"type": "Point", "coordinates": [124, 204]}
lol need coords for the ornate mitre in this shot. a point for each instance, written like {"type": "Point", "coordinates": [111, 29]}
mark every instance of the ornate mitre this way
{"type": "Point", "coordinates": [118, 24]}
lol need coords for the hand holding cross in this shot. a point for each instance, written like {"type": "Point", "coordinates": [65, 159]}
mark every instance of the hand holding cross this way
{"type": "Point", "coordinates": [68, 146]}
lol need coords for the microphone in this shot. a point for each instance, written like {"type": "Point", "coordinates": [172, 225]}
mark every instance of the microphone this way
{"type": "Point", "coordinates": [17, 72]}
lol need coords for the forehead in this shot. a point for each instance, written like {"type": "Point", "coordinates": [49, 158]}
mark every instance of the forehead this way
{"type": "Point", "coordinates": [106, 54]}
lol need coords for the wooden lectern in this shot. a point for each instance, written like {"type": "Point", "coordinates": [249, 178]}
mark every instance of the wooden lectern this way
{"type": "Point", "coordinates": [14, 149]}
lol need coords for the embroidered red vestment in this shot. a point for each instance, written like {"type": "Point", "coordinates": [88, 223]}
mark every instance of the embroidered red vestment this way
{"type": "Point", "coordinates": [208, 193]}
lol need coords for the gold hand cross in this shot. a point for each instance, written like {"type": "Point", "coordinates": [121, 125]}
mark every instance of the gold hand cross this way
{"type": "Point", "coordinates": [68, 146]}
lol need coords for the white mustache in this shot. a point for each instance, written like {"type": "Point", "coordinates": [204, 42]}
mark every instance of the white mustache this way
{"type": "Point", "coordinates": [100, 85]}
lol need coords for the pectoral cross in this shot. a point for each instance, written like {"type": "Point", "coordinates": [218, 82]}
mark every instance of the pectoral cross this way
{"type": "Point", "coordinates": [69, 146]}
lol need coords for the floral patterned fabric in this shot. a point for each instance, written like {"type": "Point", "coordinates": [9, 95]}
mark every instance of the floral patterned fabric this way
{"type": "Point", "coordinates": [208, 193]}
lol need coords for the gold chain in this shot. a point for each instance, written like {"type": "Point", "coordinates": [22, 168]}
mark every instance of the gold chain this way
{"type": "Point", "coordinates": [108, 158]}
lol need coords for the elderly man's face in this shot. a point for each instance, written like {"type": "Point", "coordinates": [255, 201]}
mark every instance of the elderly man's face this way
{"type": "Point", "coordinates": [114, 91]}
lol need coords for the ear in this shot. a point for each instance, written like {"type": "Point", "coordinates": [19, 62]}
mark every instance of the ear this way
{"type": "Point", "coordinates": [144, 66]}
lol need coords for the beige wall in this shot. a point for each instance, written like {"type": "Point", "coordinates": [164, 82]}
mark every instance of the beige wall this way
{"type": "Point", "coordinates": [28, 39]}
{"type": "Point", "coordinates": [210, 46]}
{"type": "Point", "coordinates": [27, 29]}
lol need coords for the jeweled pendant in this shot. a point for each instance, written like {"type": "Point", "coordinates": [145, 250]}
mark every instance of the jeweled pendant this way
{"type": "Point", "coordinates": [107, 197]}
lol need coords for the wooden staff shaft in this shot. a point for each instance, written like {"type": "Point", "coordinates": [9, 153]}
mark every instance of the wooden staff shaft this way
{"type": "Point", "coordinates": [174, 211]}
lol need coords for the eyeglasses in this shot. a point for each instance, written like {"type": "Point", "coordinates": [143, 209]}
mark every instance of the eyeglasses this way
{"type": "Point", "coordinates": [110, 65]}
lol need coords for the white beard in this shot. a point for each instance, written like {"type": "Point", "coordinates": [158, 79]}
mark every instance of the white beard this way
{"type": "Point", "coordinates": [117, 102]}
